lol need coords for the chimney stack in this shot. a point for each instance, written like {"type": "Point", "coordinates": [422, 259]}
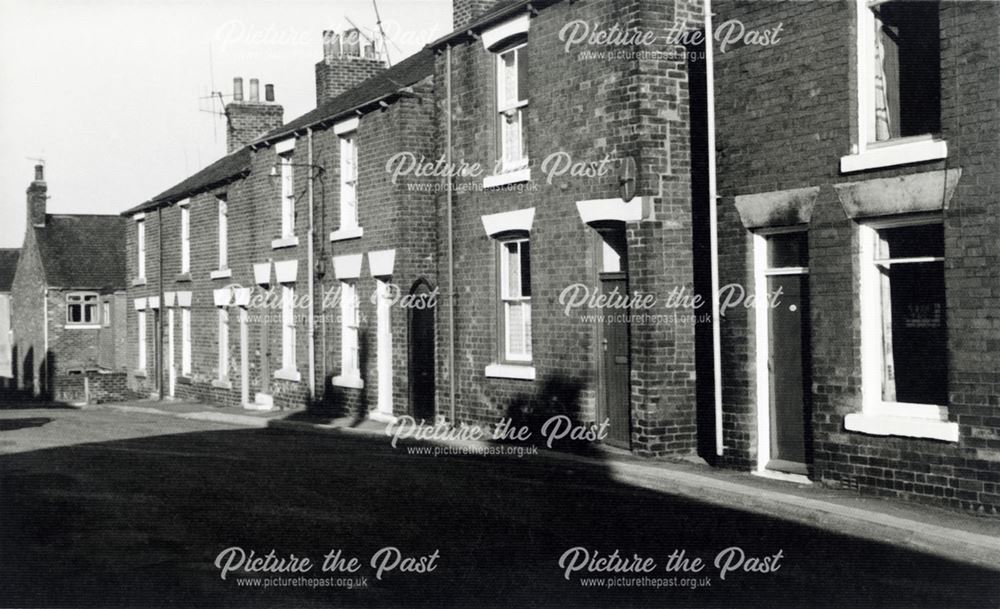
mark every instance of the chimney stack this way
{"type": "Point", "coordinates": [37, 196]}
{"type": "Point", "coordinates": [465, 12]}
{"type": "Point", "coordinates": [346, 63]}
{"type": "Point", "coordinates": [250, 118]}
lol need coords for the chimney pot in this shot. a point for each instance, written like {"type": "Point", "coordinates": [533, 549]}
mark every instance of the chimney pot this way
{"type": "Point", "coordinates": [254, 90]}
{"type": "Point", "coordinates": [352, 43]}
{"type": "Point", "coordinates": [237, 89]}
{"type": "Point", "coordinates": [39, 173]}
{"type": "Point", "coordinates": [269, 92]}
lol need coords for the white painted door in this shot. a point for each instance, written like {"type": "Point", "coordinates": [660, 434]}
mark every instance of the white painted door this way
{"type": "Point", "coordinates": [384, 347]}
{"type": "Point", "coordinates": [171, 364]}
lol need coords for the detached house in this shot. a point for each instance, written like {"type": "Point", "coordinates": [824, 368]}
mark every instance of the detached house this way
{"type": "Point", "coordinates": [68, 303]}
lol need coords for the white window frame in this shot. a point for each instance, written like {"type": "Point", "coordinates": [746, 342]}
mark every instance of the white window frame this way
{"type": "Point", "coordinates": [141, 336]}
{"type": "Point", "coordinates": [506, 300]}
{"type": "Point", "coordinates": [350, 322]}
{"type": "Point", "coordinates": [81, 299]}
{"type": "Point", "coordinates": [185, 237]}
{"type": "Point", "coordinates": [140, 240]}
{"type": "Point", "coordinates": [223, 215]}
{"type": "Point", "coordinates": [349, 180]}
{"type": "Point", "coordinates": [505, 106]}
{"type": "Point", "coordinates": [866, 153]}
{"type": "Point", "coordinates": [186, 341]}
{"type": "Point", "coordinates": [287, 195]}
{"type": "Point", "coordinates": [223, 339]}
{"type": "Point", "coordinates": [878, 416]}
{"type": "Point", "coordinates": [288, 331]}
{"type": "Point", "coordinates": [106, 313]}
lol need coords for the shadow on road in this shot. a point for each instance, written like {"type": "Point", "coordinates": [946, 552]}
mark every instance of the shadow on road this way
{"type": "Point", "coordinates": [12, 424]}
{"type": "Point", "coordinates": [139, 522]}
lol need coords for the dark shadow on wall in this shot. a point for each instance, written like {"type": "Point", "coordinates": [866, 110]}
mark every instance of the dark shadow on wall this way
{"type": "Point", "coordinates": [702, 255]}
{"type": "Point", "coordinates": [337, 402]}
{"type": "Point", "coordinates": [559, 397]}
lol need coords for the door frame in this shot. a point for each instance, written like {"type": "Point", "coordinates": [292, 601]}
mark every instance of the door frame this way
{"type": "Point", "coordinates": [410, 344]}
{"type": "Point", "coordinates": [598, 241]}
{"type": "Point", "coordinates": [762, 343]}
{"type": "Point", "coordinates": [384, 401]}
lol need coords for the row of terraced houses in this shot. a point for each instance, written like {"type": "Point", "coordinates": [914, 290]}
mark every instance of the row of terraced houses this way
{"type": "Point", "coordinates": [776, 251]}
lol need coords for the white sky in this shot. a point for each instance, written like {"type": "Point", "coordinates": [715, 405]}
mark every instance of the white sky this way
{"type": "Point", "coordinates": [107, 91]}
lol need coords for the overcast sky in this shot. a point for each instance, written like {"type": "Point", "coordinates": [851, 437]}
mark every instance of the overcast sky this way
{"type": "Point", "coordinates": [107, 91]}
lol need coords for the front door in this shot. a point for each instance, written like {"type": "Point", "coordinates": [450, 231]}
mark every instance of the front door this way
{"type": "Point", "coordinates": [614, 356]}
{"type": "Point", "coordinates": [788, 347]}
{"type": "Point", "coordinates": [421, 353]}
{"type": "Point", "coordinates": [171, 365]}
{"type": "Point", "coordinates": [265, 355]}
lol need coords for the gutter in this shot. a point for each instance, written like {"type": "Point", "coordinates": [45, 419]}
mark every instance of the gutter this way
{"type": "Point", "coordinates": [713, 220]}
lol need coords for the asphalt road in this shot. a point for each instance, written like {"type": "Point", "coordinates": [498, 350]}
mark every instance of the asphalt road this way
{"type": "Point", "coordinates": [109, 509]}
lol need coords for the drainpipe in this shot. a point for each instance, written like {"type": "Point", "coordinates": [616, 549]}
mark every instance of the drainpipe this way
{"type": "Point", "coordinates": [158, 343]}
{"type": "Point", "coordinates": [451, 245]}
{"type": "Point", "coordinates": [713, 221]}
{"type": "Point", "coordinates": [311, 265]}
{"type": "Point", "coordinates": [45, 343]}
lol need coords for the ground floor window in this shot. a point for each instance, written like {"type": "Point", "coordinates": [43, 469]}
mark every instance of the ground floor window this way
{"type": "Point", "coordinates": [185, 341]}
{"type": "Point", "coordinates": [141, 335]}
{"type": "Point", "coordinates": [903, 300]}
{"type": "Point", "coordinates": [287, 327]}
{"type": "Point", "coordinates": [515, 299]}
{"type": "Point", "coordinates": [349, 323]}
{"type": "Point", "coordinates": [223, 344]}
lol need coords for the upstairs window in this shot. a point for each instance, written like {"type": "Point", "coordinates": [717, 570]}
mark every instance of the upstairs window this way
{"type": "Point", "coordinates": [901, 42]}
{"type": "Point", "coordinates": [287, 196]}
{"type": "Point", "coordinates": [515, 299]}
{"type": "Point", "coordinates": [140, 241]}
{"type": "Point", "coordinates": [348, 180]}
{"type": "Point", "coordinates": [185, 239]}
{"type": "Point", "coordinates": [223, 233]}
{"type": "Point", "coordinates": [512, 107]}
{"type": "Point", "coordinates": [81, 308]}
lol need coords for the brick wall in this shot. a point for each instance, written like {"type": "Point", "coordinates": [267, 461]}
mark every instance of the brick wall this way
{"type": "Point", "coordinates": [28, 318]}
{"type": "Point", "coordinates": [784, 120]}
{"type": "Point", "coordinates": [249, 120]}
{"type": "Point", "coordinates": [601, 107]}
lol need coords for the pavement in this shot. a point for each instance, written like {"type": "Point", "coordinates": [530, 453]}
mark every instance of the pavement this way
{"type": "Point", "coordinates": [942, 532]}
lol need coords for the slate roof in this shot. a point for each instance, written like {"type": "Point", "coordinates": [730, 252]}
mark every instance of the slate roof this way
{"type": "Point", "coordinates": [82, 251]}
{"type": "Point", "coordinates": [385, 84]}
{"type": "Point", "coordinates": [8, 266]}
{"type": "Point", "coordinates": [228, 168]}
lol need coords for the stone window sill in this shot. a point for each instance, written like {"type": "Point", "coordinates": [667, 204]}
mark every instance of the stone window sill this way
{"type": "Point", "coordinates": [521, 372]}
{"type": "Point", "coordinates": [139, 373]}
{"type": "Point", "coordinates": [347, 232]}
{"type": "Point", "coordinates": [283, 242]}
{"type": "Point", "coordinates": [220, 384]}
{"type": "Point", "coordinates": [82, 326]}
{"type": "Point", "coordinates": [183, 277]}
{"type": "Point", "coordinates": [505, 179]}
{"type": "Point", "coordinates": [288, 375]}
{"type": "Point", "coordinates": [139, 281]}
{"type": "Point", "coordinates": [910, 427]}
{"type": "Point", "coordinates": [351, 381]}
{"type": "Point", "coordinates": [221, 274]}
{"type": "Point", "coordinates": [891, 153]}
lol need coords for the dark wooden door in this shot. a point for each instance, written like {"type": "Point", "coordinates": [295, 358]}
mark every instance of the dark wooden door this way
{"type": "Point", "coordinates": [421, 354]}
{"type": "Point", "coordinates": [790, 390]}
{"type": "Point", "coordinates": [615, 367]}
{"type": "Point", "coordinates": [265, 354]}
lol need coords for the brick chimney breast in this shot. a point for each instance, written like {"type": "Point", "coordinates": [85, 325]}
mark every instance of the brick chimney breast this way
{"type": "Point", "coordinates": [348, 60]}
{"type": "Point", "coordinates": [464, 12]}
{"type": "Point", "coordinates": [248, 119]}
{"type": "Point", "coordinates": [37, 196]}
